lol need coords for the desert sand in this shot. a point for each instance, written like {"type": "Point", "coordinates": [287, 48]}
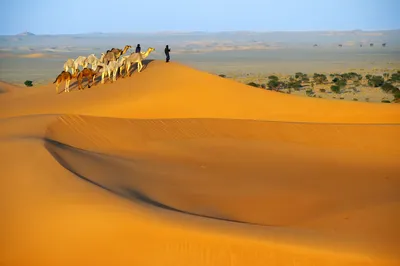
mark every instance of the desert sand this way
{"type": "Point", "coordinates": [174, 166]}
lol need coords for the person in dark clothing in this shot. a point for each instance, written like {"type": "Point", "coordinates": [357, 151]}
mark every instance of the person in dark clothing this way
{"type": "Point", "coordinates": [167, 50]}
{"type": "Point", "coordinates": [137, 49]}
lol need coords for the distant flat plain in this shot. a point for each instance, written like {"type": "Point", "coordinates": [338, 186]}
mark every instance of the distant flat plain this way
{"type": "Point", "coordinates": [40, 58]}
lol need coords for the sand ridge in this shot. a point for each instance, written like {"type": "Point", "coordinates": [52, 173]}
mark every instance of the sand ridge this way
{"type": "Point", "coordinates": [174, 166]}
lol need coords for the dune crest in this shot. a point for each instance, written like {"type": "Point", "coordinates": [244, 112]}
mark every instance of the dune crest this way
{"type": "Point", "coordinates": [174, 166]}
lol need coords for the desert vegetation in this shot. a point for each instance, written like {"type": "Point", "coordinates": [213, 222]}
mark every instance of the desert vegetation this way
{"type": "Point", "coordinates": [28, 83]}
{"type": "Point", "coordinates": [380, 86]}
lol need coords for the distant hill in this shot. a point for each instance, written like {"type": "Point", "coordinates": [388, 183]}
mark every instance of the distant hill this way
{"type": "Point", "coordinates": [26, 33]}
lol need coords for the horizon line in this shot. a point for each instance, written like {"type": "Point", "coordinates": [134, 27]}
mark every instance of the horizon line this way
{"type": "Point", "coordinates": [197, 31]}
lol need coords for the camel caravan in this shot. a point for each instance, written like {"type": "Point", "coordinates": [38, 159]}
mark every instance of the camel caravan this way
{"type": "Point", "coordinates": [109, 64]}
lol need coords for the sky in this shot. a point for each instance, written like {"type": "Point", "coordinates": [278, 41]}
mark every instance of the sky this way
{"type": "Point", "coordinates": [86, 16]}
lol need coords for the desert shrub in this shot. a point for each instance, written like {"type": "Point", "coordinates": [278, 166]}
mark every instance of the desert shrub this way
{"type": "Point", "coordinates": [396, 94]}
{"type": "Point", "coordinates": [222, 75]}
{"type": "Point", "coordinates": [254, 84]}
{"type": "Point", "coordinates": [305, 79]}
{"type": "Point", "coordinates": [376, 81]}
{"type": "Point", "coordinates": [272, 84]}
{"type": "Point", "coordinates": [355, 99]}
{"type": "Point", "coordinates": [386, 75]}
{"type": "Point", "coordinates": [294, 84]}
{"type": "Point", "coordinates": [341, 82]}
{"type": "Point", "coordinates": [368, 76]}
{"type": "Point", "coordinates": [273, 77]}
{"type": "Point", "coordinates": [301, 76]}
{"type": "Point", "coordinates": [385, 101]}
{"type": "Point", "coordinates": [298, 75]}
{"type": "Point", "coordinates": [351, 76]}
{"type": "Point", "coordinates": [335, 88]}
{"type": "Point", "coordinates": [395, 77]}
{"type": "Point", "coordinates": [263, 86]}
{"type": "Point", "coordinates": [322, 90]}
{"type": "Point", "coordinates": [28, 83]}
{"type": "Point", "coordinates": [309, 92]}
{"type": "Point", "coordinates": [388, 87]}
{"type": "Point", "coordinates": [356, 83]}
{"type": "Point", "coordinates": [319, 78]}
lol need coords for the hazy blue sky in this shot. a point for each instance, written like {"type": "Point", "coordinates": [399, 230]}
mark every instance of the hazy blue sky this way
{"type": "Point", "coordinates": [82, 16]}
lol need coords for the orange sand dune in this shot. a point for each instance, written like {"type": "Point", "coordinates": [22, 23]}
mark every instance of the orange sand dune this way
{"type": "Point", "coordinates": [7, 87]}
{"type": "Point", "coordinates": [173, 166]}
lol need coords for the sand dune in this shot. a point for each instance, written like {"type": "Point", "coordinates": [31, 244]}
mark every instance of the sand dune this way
{"type": "Point", "coordinates": [7, 87]}
{"type": "Point", "coordinates": [174, 166]}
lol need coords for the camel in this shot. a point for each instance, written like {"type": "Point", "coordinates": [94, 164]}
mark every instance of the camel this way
{"type": "Point", "coordinates": [122, 60]}
{"type": "Point", "coordinates": [118, 52]}
{"type": "Point", "coordinates": [64, 76]}
{"type": "Point", "coordinates": [69, 64]}
{"type": "Point", "coordinates": [137, 58]}
{"type": "Point", "coordinates": [104, 70]}
{"type": "Point", "coordinates": [94, 61]}
{"type": "Point", "coordinates": [114, 54]}
{"type": "Point", "coordinates": [88, 73]}
{"type": "Point", "coordinates": [80, 61]}
{"type": "Point", "coordinates": [109, 57]}
{"type": "Point", "coordinates": [112, 67]}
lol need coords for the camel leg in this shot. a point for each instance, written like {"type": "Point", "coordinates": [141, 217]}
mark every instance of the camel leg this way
{"type": "Point", "coordinates": [102, 77]}
{"type": "Point", "coordinates": [57, 87]}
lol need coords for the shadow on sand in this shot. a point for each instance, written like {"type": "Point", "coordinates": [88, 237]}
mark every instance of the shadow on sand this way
{"type": "Point", "coordinates": [129, 193]}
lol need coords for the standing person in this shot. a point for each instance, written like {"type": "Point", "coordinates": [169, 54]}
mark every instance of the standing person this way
{"type": "Point", "coordinates": [137, 49]}
{"type": "Point", "coordinates": [167, 50]}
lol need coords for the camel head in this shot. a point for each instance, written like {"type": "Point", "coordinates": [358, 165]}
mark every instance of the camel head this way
{"type": "Point", "coordinates": [126, 48]}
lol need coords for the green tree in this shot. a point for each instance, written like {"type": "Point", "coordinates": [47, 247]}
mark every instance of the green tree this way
{"type": "Point", "coordinates": [376, 81]}
{"type": "Point", "coordinates": [294, 84]}
{"type": "Point", "coordinates": [388, 87]}
{"type": "Point", "coordinates": [396, 95]}
{"type": "Point", "coordinates": [273, 77]}
{"type": "Point", "coordinates": [319, 78]}
{"type": "Point", "coordinates": [28, 83]}
{"type": "Point", "coordinates": [395, 77]}
{"type": "Point", "coordinates": [273, 84]}
{"type": "Point", "coordinates": [254, 84]}
{"type": "Point", "coordinates": [335, 88]}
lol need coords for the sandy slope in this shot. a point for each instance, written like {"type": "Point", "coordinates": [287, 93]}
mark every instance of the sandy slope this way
{"type": "Point", "coordinates": [178, 167]}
